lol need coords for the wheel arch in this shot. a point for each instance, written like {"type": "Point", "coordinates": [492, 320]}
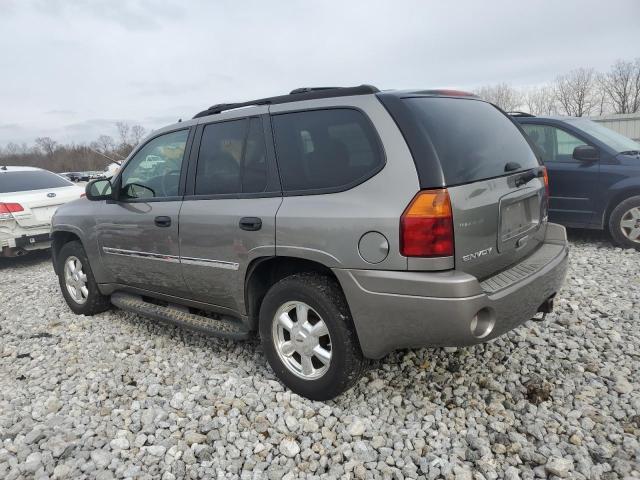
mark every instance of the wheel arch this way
{"type": "Point", "coordinates": [264, 272]}
{"type": "Point", "coordinates": [58, 239]}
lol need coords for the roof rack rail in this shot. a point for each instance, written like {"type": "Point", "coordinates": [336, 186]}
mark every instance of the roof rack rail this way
{"type": "Point", "coordinates": [298, 94]}
{"type": "Point", "coordinates": [520, 114]}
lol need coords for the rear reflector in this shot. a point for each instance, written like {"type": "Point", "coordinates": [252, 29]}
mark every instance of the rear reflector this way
{"type": "Point", "coordinates": [426, 226]}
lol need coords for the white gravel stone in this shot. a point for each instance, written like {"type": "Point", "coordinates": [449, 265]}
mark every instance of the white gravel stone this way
{"type": "Point", "coordinates": [560, 467]}
{"type": "Point", "coordinates": [289, 447]}
{"type": "Point", "coordinates": [356, 428]}
{"type": "Point", "coordinates": [119, 444]}
{"type": "Point", "coordinates": [559, 398]}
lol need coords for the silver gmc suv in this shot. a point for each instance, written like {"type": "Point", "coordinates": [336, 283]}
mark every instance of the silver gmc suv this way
{"type": "Point", "coordinates": [339, 224]}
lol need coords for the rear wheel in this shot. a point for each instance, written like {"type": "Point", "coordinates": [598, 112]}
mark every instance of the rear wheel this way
{"type": "Point", "coordinates": [308, 336]}
{"type": "Point", "coordinates": [624, 223]}
{"type": "Point", "coordinates": [78, 286]}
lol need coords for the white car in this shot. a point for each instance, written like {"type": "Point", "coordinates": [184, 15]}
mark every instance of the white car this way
{"type": "Point", "coordinates": [28, 199]}
{"type": "Point", "coordinates": [111, 170]}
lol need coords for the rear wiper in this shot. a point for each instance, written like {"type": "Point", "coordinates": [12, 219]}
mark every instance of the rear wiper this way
{"type": "Point", "coordinates": [511, 166]}
{"type": "Point", "coordinates": [630, 152]}
{"type": "Point", "coordinates": [526, 177]}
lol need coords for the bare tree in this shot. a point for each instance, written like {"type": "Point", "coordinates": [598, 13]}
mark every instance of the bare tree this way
{"type": "Point", "coordinates": [123, 132]}
{"type": "Point", "coordinates": [541, 100]}
{"type": "Point", "coordinates": [576, 92]}
{"type": "Point", "coordinates": [104, 143]}
{"type": "Point", "coordinates": [621, 86]}
{"type": "Point", "coordinates": [47, 145]}
{"type": "Point", "coordinates": [502, 95]}
{"type": "Point", "coordinates": [137, 133]}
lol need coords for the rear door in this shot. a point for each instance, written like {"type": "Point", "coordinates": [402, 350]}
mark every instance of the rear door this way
{"type": "Point", "coordinates": [228, 216]}
{"type": "Point", "coordinates": [573, 184]}
{"type": "Point", "coordinates": [138, 233]}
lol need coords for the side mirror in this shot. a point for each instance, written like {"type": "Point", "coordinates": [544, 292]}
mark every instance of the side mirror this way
{"type": "Point", "coordinates": [99, 190]}
{"type": "Point", "coordinates": [586, 153]}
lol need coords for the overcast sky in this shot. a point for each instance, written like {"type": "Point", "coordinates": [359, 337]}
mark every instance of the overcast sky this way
{"type": "Point", "coordinates": [70, 69]}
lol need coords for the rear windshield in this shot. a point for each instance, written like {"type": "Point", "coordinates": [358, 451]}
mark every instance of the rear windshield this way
{"type": "Point", "coordinates": [472, 139]}
{"type": "Point", "coordinates": [30, 180]}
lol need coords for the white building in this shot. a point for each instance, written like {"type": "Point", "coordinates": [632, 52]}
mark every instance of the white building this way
{"type": "Point", "coordinates": [628, 124]}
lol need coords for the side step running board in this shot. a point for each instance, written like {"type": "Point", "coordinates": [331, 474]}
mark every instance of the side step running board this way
{"type": "Point", "coordinates": [209, 326]}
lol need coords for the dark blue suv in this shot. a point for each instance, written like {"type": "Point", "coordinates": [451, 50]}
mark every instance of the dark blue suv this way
{"type": "Point", "coordinates": [594, 175]}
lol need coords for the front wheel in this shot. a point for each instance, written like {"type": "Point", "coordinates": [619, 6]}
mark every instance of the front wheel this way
{"type": "Point", "coordinates": [308, 336]}
{"type": "Point", "coordinates": [78, 286]}
{"type": "Point", "coordinates": [624, 223]}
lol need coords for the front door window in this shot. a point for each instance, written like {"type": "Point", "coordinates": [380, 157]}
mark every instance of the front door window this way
{"type": "Point", "coordinates": [154, 172]}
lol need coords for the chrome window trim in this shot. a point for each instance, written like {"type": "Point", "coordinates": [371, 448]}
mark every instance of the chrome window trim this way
{"type": "Point", "coordinates": [204, 262]}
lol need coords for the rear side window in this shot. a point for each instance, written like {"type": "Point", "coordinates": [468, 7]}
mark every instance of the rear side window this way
{"type": "Point", "coordinates": [232, 158]}
{"type": "Point", "coordinates": [325, 149]}
{"type": "Point", "coordinates": [30, 180]}
{"type": "Point", "coordinates": [472, 139]}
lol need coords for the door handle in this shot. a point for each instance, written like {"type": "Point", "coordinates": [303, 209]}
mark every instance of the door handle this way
{"type": "Point", "coordinates": [163, 221]}
{"type": "Point", "coordinates": [250, 224]}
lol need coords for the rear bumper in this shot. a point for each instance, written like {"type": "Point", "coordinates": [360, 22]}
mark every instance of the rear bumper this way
{"type": "Point", "coordinates": [32, 241]}
{"type": "Point", "coordinates": [393, 309]}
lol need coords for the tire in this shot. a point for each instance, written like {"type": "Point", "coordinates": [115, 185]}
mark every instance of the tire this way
{"type": "Point", "coordinates": [93, 302]}
{"type": "Point", "coordinates": [326, 304]}
{"type": "Point", "coordinates": [624, 223]}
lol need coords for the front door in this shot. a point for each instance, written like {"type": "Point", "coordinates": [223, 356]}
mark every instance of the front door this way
{"type": "Point", "coordinates": [573, 184]}
{"type": "Point", "coordinates": [228, 216]}
{"type": "Point", "coordinates": [138, 233]}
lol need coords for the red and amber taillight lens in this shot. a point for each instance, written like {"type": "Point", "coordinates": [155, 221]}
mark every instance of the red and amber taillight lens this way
{"type": "Point", "coordinates": [426, 226]}
{"type": "Point", "coordinates": [545, 176]}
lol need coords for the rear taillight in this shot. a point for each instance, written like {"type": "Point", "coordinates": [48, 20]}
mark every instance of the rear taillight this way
{"type": "Point", "coordinates": [6, 209]}
{"type": "Point", "coordinates": [545, 176]}
{"type": "Point", "coordinates": [426, 226]}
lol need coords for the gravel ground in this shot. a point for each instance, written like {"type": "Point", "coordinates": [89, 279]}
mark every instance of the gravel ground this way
{"type": "Point", "coordinates": [117, 395]}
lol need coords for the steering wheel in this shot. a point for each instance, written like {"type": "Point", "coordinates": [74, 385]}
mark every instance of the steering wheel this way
{"type": "Point", "coordinates": [166, 185]}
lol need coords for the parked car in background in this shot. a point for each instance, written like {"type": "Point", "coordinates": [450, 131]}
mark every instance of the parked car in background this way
{"type": "Point", "coordinates": [339, 223]}
{"type": "Point", "coordinates": [80, 176]}
{"type": "Point", "coordinates": [594, 175]}
{"type": "Point", "coordinates": [28, 199]}
{"type": "Point", "coordinates": [73, 176]}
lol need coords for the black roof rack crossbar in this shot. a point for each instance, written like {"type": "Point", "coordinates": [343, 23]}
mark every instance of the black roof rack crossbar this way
{"type": "Point", "coordinates": [296, 95]}
{"type": "Point", "coordinates": [520, 114]}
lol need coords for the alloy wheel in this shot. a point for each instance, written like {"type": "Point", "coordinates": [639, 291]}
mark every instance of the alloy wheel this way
{"type": "Point", "coordinates": [630, 224]}
{"type": "Point", "coordinates": [75, 280]}
{"type": "Point", "coordinates": [302, 340]}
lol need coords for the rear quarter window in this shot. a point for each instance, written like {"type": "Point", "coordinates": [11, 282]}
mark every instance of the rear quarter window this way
{"type": "Point", "coordinates": [325, 150]}
{"type": "Point", "coordinates": [30, 180]}
{"type": "Point", "coordinates": [471, 139]}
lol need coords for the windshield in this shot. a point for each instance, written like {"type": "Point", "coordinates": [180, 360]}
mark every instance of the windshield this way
{"type": "Point", "coordinates": [615, 140]}
{"type": "Point", "coordinates": [473, 140]}
{"type": "Point", "coordinates": [30, 180]}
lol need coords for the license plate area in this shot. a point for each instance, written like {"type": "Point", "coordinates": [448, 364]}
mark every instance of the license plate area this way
{"type": "Point", "coordinates": [519, 215]}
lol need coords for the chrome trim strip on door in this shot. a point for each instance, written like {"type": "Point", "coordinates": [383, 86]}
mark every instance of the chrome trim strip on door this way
{"type": "Point", "coordinates": [203, 262]}
{"type": "Point", "coordinates": [138, 254]}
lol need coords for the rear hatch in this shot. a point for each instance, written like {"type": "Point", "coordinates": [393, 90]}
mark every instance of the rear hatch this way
{"type": "Point", "coordinates": [38, 193]}
{"type": "Point", "coordinates": [495, 182]}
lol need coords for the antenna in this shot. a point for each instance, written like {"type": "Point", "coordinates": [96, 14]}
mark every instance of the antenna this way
{"type": "Point", "coordinates": [119, 162]}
